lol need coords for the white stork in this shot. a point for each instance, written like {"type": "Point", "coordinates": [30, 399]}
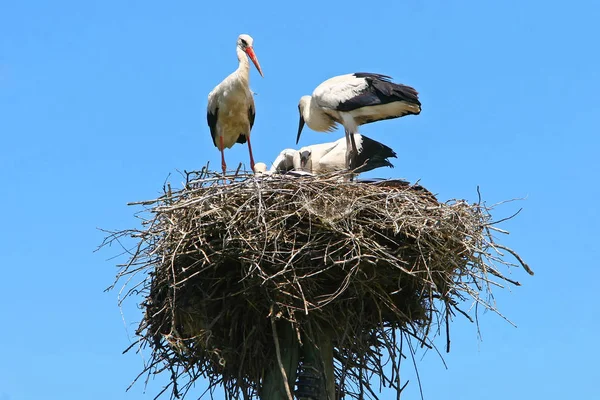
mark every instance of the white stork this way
{"type": "Point", "coordinates": [330, 157]}
{"type": "Point", "coordinates": [353, 100]}
{"type": "Point", "coordinates": [287, 160]}
{"type": "Point", "coordinates": [260, 168]}
{"type": "Point", "coordinates": [230, 111]}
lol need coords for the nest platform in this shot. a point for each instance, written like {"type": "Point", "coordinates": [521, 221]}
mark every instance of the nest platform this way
{"type": "Point", "coordinates": [372, 265]}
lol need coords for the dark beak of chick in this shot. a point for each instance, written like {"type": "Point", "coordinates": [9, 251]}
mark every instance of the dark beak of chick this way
{"type": "Point", "coordinates": [300, 126]}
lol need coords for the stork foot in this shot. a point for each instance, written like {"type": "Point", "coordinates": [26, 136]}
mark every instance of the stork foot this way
{"type": "Point", "coordinates": [350, 159]}
{"type": "Point", "coordinates": [224, 169]}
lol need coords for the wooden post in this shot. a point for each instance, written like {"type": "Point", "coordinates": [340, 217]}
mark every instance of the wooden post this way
{"type": "Point", "coordinates": [319, 354]}
{"type": "Point", "coordinates": [273, 387]}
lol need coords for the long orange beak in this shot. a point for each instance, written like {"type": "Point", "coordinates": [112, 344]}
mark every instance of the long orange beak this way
{"type": "Point", "coordinates": [250, 52]}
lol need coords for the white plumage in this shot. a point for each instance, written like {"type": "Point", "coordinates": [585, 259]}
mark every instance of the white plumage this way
{"type": "Point", "coordinates": [330, 157]}
{"type": "Point", "coordinates": [353, 100]}
{"type": "Point", "coordinates": [230, 112]}
{"type": "Point", "coordinates": [287, 160]}
{"type": "Point", "coordinates": [260, 168]}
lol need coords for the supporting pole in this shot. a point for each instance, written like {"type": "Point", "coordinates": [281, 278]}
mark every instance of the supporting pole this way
{"type": "Point", "coordinates": [319, 354]}
{"type": "Point", "coordinates": [285, 363]}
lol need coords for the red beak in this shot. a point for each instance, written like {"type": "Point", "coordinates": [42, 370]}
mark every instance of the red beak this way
{"type": "Point", "coordinates": [250, 52]}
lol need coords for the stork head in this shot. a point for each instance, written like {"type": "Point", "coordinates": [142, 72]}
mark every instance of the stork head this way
{"type": "Point", "coordinates": [260, 168]}
{"type": "Point", "coordinates": [303, 107]}
{"type": "Point", "coordinates": [304, 158]}
{"type": "Point", "coordinates": [245, 44]}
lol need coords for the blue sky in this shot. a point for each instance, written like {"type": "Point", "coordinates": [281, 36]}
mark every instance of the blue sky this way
{"type": "Point", "coordinates": [101, 100]}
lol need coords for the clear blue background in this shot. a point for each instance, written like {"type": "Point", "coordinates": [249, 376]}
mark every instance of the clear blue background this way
{"type": "Point", "coordinates": [101, 100]}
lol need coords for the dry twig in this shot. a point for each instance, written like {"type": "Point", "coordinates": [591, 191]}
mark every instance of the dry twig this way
{"type": "Point", "coordinates": [359, 260]}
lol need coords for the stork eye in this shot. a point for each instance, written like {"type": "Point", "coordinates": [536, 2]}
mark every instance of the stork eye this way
{"type": "Point", "coordinates": [243, 42]}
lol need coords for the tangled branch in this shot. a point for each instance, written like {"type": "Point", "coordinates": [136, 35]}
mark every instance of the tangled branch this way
{"type": "Point", "coordinates": [373, 265]}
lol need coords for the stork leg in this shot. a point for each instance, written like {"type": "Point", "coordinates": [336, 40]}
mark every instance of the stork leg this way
{"type": "Point", "coordinates": [354, 149]}
{"type": "Point", "coordinates": [348, 151]}
{"type": "Point", "coordinates": [223, 165]}
{"type": "Point", "coordinates": [351, 152]}
{"type": "Point", "coordinates": [250, 151]}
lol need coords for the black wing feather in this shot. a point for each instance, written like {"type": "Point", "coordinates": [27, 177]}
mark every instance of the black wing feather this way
{"type": "Point", "coordinates": [379, 90]}
{"type": "Point", "coordinates": [212, 124]}
{"type": "Point", "coordinates": [381, 77]}
{"type": "Point", "coordinates": [373, 154]}
{"type": "Point", "coordinates": [251, 115]}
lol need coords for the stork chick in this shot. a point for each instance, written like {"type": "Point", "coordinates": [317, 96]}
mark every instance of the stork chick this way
{"type": "Point", "coordinates": [330, 157]}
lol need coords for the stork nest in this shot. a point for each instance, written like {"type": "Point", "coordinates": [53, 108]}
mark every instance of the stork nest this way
{"type": "Point", "coordinates": [369, 264]}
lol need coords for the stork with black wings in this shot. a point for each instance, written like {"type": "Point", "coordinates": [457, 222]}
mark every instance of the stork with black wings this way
{"type": "Point", "coordinates": [230, 112]}
{"type": "Point", "coordinates": [331, 157]}
{"type": "Point", "coordinates": [353, 100]}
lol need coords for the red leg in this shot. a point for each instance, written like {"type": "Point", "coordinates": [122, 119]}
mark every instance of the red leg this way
{"type": "Point", "coordinates": [250, 150]}
{"type": "Point", "coordinates": [223, 165]}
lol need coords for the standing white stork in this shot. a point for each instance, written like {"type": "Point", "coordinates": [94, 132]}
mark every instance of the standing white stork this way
{"type": "Point", "coordinates": [330, 157]}
{"type": "Point", "coordinates": [230, 111]}
{"type": "Point", "coordinates": [353, 100]}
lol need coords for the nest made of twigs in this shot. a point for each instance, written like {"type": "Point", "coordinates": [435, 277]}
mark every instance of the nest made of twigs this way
{"type": "Point", "coordinates": [366, 263]}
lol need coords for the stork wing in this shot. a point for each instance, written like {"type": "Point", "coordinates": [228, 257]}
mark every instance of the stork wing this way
{"type": "Point", "coordinates": [251, 115]}
{"type": "Point", "coordinates": [372, 154]}
{"type": "Point", "coordinates": [337, 90]}
{"type": "Point", "coordinates": [362, 89]}
{"type": "Point", "coordinates": [212, 115]}
{"type": "Point", "coordinates": [334, 158]}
